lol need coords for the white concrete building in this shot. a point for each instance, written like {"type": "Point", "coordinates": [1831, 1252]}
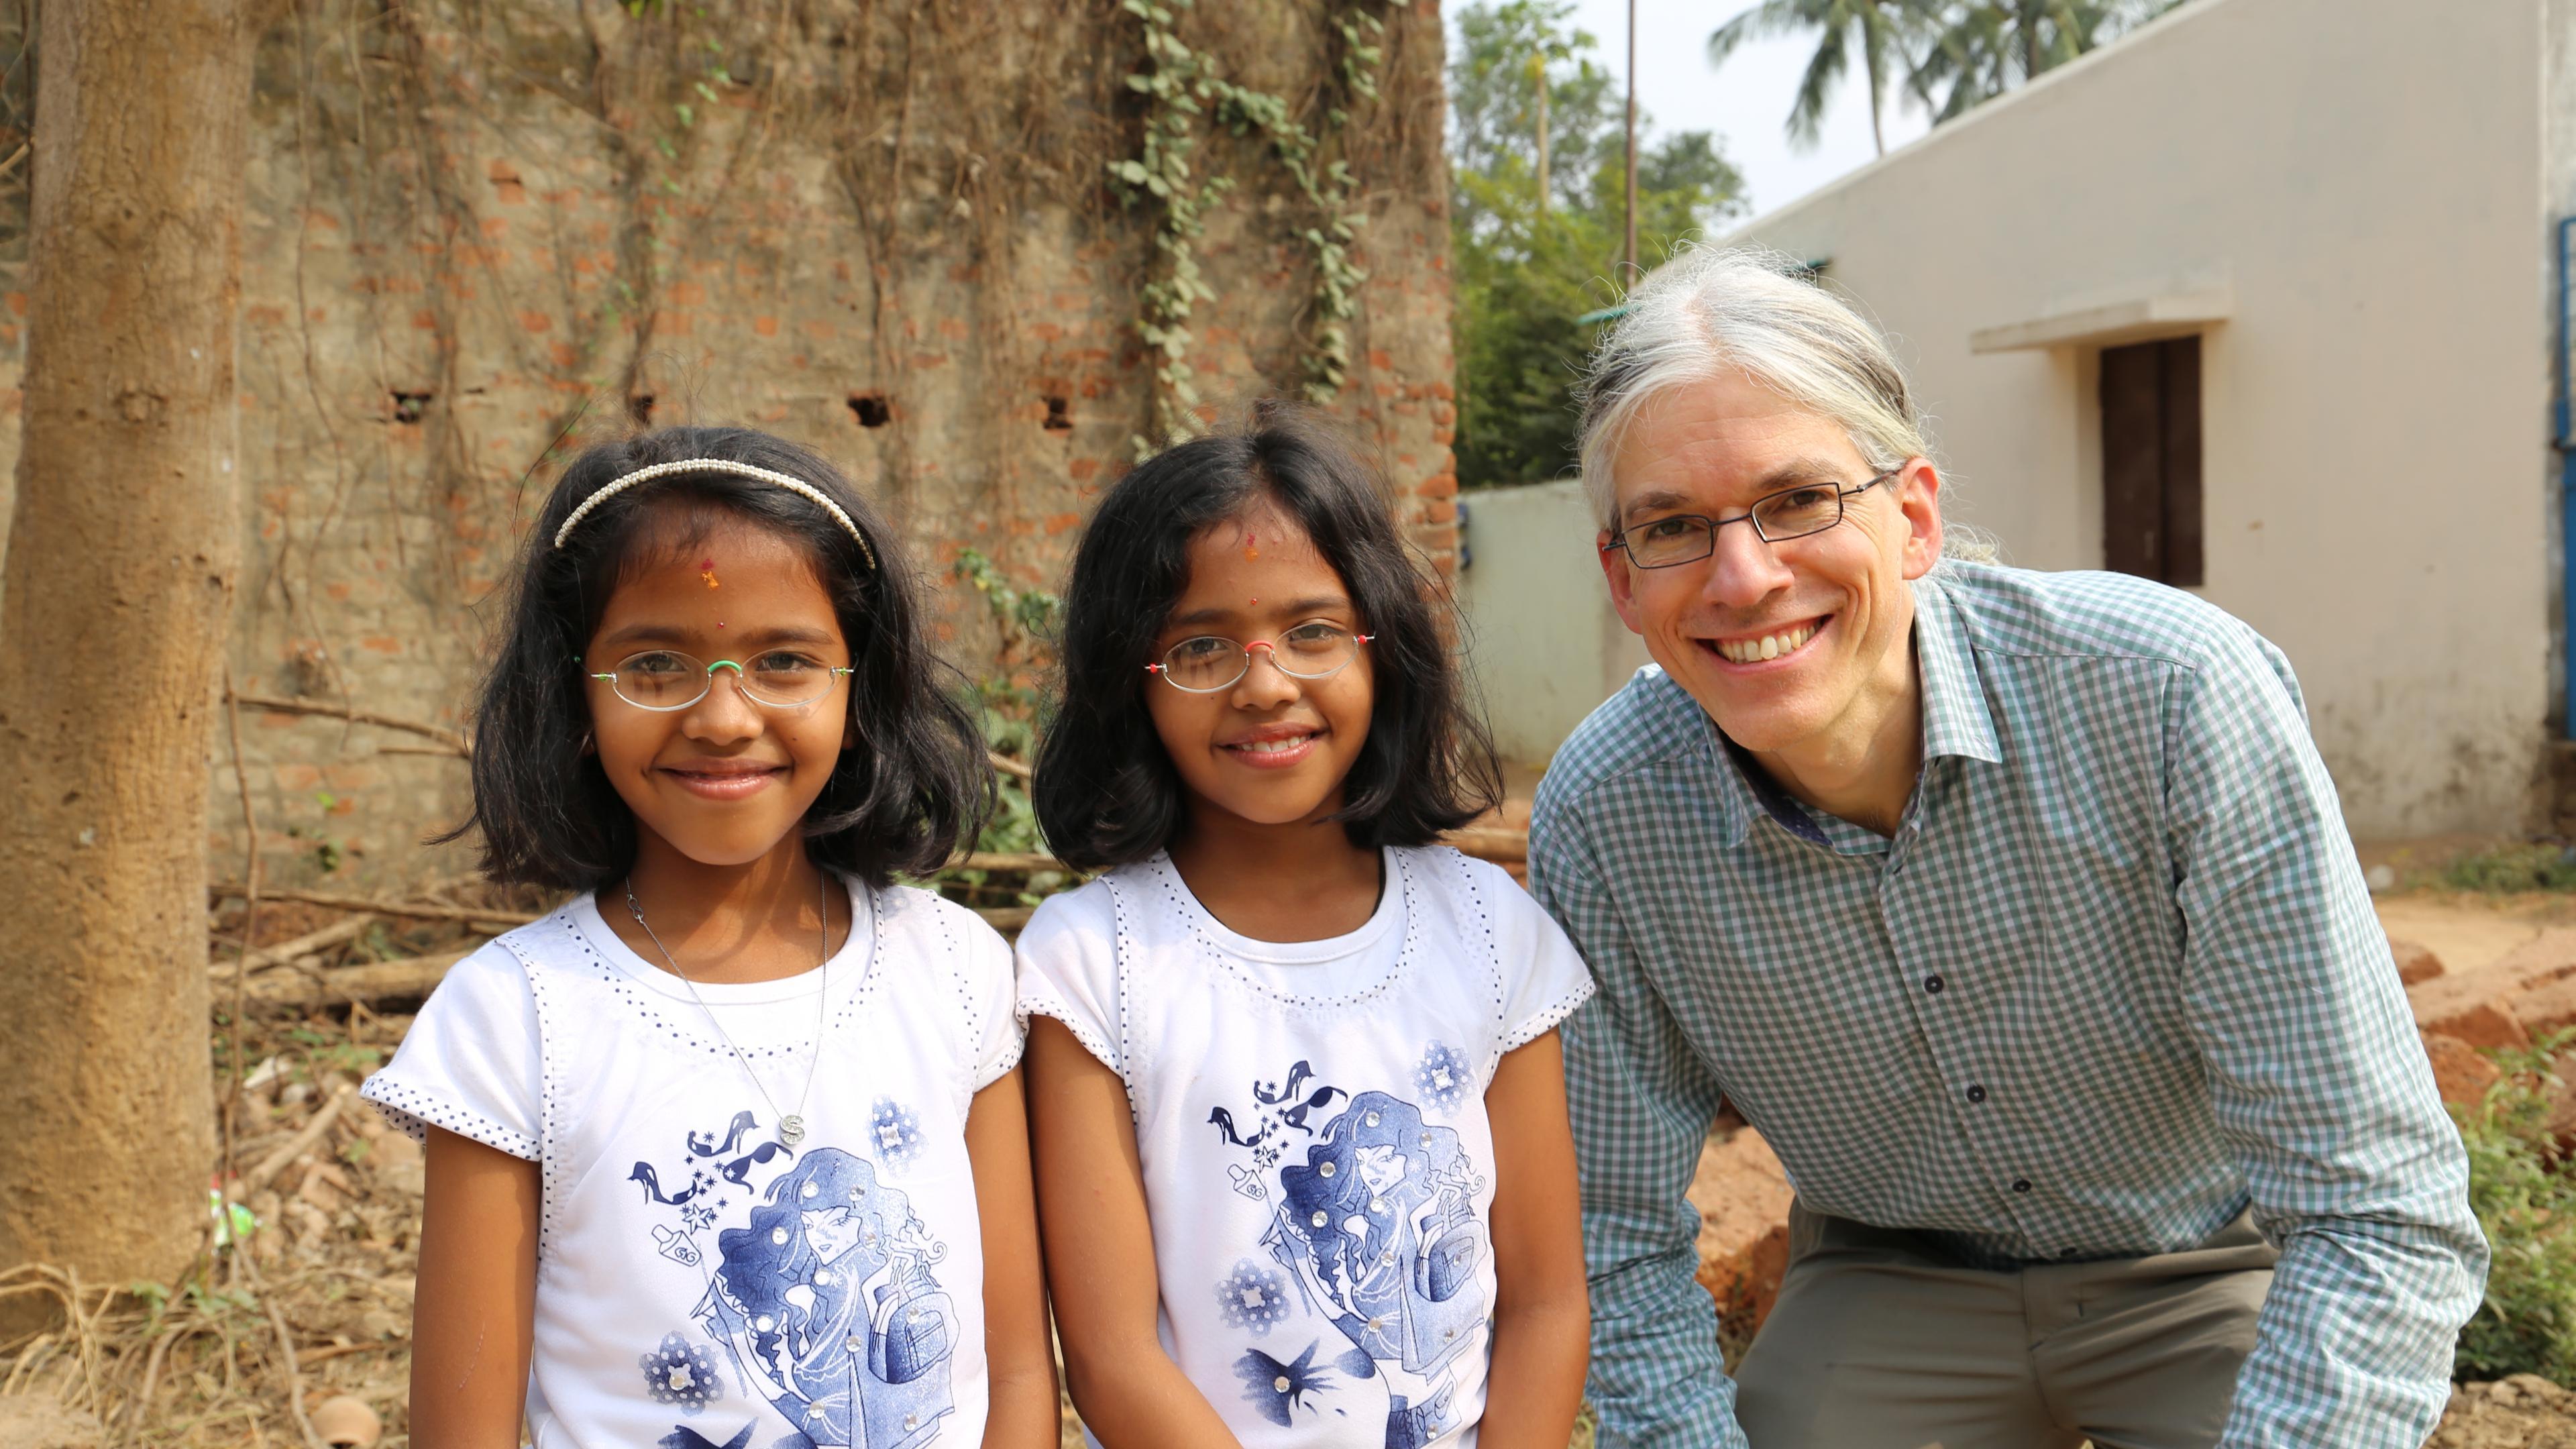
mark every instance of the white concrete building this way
{"type": "Point", "coordinates": [2264, 299]}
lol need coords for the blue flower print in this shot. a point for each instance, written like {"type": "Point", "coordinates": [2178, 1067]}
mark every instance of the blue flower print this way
{"type": "Point", "coordinates": [1443, 1077]}
{"type": "Point", "coordinates": [1252, 1298]}
{"type": "Point", "coordinates": [896, 1132]}
{"type": "Point", "coordinates": [1277, 1389]}
{"type": "Point", "coordinates": [681, 1373]}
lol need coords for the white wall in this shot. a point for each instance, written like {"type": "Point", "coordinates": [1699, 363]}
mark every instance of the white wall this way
{"type": "Point", "coordinates": [2368, 178]}
{"type": "Point", "coordinates": [1542, 640]}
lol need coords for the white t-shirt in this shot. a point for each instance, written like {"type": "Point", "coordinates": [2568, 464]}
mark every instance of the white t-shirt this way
{"type": "Point", "coordinates": [700, 1283]}
{"type": "Point", "coordinates": [1310, 1118]}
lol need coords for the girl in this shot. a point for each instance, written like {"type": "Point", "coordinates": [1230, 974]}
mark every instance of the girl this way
{"type": "Point", "coordinates": [653, 1216]}
{"type": "Point", "coordinates": [1298, 1107]}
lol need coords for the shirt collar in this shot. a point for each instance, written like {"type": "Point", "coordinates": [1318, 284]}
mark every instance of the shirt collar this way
{"type": "Point", "coordinates": [1955, 718]}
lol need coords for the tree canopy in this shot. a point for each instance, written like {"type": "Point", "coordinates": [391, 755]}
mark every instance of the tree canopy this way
{"type": "Point", "coordinates": [1526, 276]}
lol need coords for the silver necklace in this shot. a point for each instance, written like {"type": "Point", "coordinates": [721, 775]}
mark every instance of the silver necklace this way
{"type": "Point", "coordinates": [791, 1125]}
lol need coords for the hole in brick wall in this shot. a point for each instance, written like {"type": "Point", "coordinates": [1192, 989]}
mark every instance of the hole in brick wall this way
{"type": "Point", "coordinates": [408, 406]}
{"type": "Point", "coordinates": [640, 408]}
{"type": "Point", "coordinates": [871, 409]}
{"type": "Point", "coordinates": [1059, 418]}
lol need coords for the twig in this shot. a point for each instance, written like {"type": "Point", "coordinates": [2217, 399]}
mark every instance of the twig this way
{"type": "Point", "coordinates": [1503, 847]}
{"type": "Point", "coordinates": [241, 964]}
{"type": "Point", "coordinates": [376, 981]}
{"type": "Point", "coordinates": [346, 929]}
{"type": "Point", "coordinates": [456, 744]}
{"type": "Point", "coordinates": [1012, 862]}
{"type": "Point", "coordinates": [1009, 766]}
{"type": "Point", "coordinates": [341, 1350]}
{"type": "Point", "coordinates": [296, 1146]}
{"type": "Point", "coordinates": [285, 1349]}
{"type": "Point", "coordinates": [387, 908]}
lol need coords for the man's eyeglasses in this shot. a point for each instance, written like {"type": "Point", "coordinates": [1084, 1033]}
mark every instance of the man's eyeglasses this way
{"type": "Point", "coordinates": [1662, 543]}
{"type": "Point", "coordinates": [1210, 662]}
{"type": "Point", "coordinates": [666, 679]}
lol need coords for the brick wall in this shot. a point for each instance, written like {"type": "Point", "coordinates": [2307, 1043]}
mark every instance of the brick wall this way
{"type": "Point", "coordinates": [482, 234]}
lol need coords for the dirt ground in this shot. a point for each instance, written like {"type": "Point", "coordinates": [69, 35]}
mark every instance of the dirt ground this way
{"type": "Point", "coordinates": [314, 1311]}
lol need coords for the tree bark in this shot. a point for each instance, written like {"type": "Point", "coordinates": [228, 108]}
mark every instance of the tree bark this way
{"type": "Point", "coordinates": [123, 548]}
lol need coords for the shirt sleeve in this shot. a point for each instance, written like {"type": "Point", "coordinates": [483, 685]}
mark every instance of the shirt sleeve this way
{"type": "Point", "coordinates": [1544, 979]}
{"type": "Point", "coordinates": [1068, 970]}
{"type": "Point", "coordinates": [2316, 1076]}
{"type": "Point", "coordinates": [473, 1060]}
{"type": "Point", "coordinates": [994, 1030]}
{"type": "Point", "coordinates": [1641, 1101]}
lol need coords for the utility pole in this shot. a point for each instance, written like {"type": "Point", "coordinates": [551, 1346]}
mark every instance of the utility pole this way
{"type": "Point", "coordinates": [1538, 72]}
{"type": "Point", "coordinates": [1631, 278]}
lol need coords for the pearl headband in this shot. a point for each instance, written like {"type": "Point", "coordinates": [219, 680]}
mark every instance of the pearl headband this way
{"type": "Point", "coordinates": [718, 465]}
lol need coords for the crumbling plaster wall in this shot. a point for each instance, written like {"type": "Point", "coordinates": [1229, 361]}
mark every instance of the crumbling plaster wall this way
{"type": "Point", "coordinates": [483, 234]}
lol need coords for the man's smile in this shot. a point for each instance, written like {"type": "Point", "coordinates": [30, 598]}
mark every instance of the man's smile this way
{"type": "Point", "coordinates": [1769, 645]}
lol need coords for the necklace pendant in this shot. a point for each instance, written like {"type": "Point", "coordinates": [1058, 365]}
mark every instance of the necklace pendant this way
{"type": "Point", "coordinates": [791, 1129]}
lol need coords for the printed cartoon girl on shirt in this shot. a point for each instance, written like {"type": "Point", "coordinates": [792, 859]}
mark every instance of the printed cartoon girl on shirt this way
{"type": "Point", "coordinates": [1379, 1227]}
{"type": "Point", "coordinates": [829, 1309]}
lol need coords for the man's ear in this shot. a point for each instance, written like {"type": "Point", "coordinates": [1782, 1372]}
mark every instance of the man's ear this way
{"type": "Point", "coordinates": [1614, 567]}
{"type": "Point", "coordinates": [1918, 493]}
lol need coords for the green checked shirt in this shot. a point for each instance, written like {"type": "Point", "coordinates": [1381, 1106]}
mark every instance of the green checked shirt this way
{"type": "Point", "coordinates": [2115, 977]}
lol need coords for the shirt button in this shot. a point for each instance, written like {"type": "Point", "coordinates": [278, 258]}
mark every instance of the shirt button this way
{"type": "Point", "coordinates": [2021, 1184]}
{"type": "Point", "coordinates": [1933, 984]}
{"type": "Point", "coordinates": [1976, 1094]}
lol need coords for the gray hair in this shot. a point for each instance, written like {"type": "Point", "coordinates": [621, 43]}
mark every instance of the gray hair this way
{"type": "Point", "coordinates": [1710, 310]}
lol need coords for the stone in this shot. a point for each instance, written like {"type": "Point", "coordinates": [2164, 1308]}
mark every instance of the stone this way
{"type": "Point", "coordinates": [2545, 1007]}
{"type": "Point", "coordinates": [2416, 963]}
{"type": "Point", "coordinates": [1743, 1198]}
{"type": "Point", "coordinates": [2461, 1073]}
{"type": "Point", "coordinates": [38, 1421]}
{"type": "Point", "coordinates": [2471, 1008]}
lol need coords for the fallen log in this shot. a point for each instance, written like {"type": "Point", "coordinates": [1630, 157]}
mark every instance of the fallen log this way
{"type": "Point", "coordinates": [366, 985]}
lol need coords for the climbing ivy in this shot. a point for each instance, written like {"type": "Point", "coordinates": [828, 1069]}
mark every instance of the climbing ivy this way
{"type": "Point", "coordinates": [1182, 87]}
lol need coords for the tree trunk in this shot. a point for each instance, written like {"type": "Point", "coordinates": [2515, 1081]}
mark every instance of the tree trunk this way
{"type": "Point", "coordinates": [120, 571]}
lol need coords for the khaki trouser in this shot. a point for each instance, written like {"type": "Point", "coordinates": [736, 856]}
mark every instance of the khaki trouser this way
{"type": "Point", "coordinates": [1880, 1340]}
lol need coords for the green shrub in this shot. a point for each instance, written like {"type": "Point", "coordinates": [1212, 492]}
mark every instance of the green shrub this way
{"type": "Point", "coordinates": [2538, 866]}
{"type": "Point", "coordinates": [2524, 1194]}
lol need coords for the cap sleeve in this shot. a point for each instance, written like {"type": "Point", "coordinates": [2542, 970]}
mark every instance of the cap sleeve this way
{"type": "Point", "coordinates": [996, 1030]}
{"type": "Point", "coordinates": [472, 1062]}
{"type": "Point", "coordinates": [1544, 978]}
{"type": "Point", "coordinates": [1068, 970]}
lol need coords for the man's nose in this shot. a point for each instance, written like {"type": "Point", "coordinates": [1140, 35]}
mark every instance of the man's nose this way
{"type": "Point", "coordinates": [1743, 570]}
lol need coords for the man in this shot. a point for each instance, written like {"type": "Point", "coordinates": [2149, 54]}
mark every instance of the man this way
{"type": "Point", "coordinates": [2014, 909]}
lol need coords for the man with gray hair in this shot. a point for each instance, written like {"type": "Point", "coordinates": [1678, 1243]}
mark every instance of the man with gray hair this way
{"type": "Point", "coordinates": [2014, 909]}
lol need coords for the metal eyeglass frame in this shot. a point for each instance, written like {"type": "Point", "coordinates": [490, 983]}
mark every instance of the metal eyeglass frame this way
{"type": "Point", "coordinates": [1620, 539]}
{"type": "Point", "coordinates": [1246, 651]}
{"type": "Point", "coordinates": [741, 683]}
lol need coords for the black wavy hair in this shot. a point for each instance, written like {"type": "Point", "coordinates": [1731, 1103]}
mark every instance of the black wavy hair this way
{"type": "Point", "coordinates": [1105, 792]}
{"type": "Point", "coordinates": [917, 779]}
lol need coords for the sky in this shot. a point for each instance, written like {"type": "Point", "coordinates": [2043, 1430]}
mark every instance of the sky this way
{"type": "Point", "coordinates": [1747, 102]}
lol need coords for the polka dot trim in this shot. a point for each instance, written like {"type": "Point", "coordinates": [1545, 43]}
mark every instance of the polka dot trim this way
{"type": "Point", "coordinates": [413, 1112]}
{"type": "Point", "coordinates": [1546, 1021]}
{"type": "Point", "coordinates": [1083, 1032]}
{"type": "Point", "coordinates": [1183, 908]}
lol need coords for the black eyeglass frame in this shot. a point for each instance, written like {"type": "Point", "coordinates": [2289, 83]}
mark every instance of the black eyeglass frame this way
{"type": "Point", "coordinates": [1619, 540]}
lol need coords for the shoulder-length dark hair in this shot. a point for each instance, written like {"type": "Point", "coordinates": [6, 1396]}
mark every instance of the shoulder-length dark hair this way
{"type": "Point", "coordinates": [1105, 792]}
{"type": "Point", "coordinates": [916, 780]}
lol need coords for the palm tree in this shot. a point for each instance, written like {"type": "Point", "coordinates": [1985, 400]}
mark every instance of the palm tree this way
{"type": "Point", "coordinates": [1978, 51]}
{"type": "Point", "coordinates": [1877, 28]}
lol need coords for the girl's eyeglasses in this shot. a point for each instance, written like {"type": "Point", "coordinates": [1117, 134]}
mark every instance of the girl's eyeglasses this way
{"type": "Point", "coordinates": [1210, 662]}
{"type": "Point", "coordinates": [666, 679]}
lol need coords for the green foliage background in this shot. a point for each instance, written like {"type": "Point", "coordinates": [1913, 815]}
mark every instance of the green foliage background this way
{"type": "Point", "coordinates": [1524, 277]}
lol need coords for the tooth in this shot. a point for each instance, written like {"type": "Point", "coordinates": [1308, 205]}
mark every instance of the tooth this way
{"type": "Point", "coordinates": [1770, 646]}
